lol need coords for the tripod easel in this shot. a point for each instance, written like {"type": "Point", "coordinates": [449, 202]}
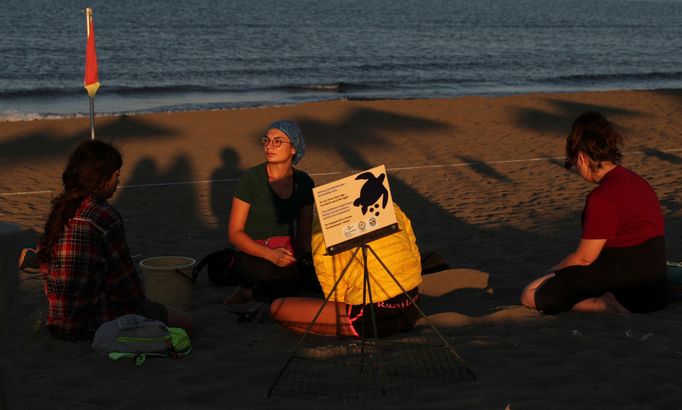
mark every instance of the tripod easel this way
{"type": "Point", "coordinates": [367, 297]}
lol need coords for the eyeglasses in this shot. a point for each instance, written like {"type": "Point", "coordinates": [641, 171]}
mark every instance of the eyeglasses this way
{"type": "Point", "coordinates": [276, 142]}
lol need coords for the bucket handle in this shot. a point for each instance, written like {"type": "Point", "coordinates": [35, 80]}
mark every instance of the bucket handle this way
{"type": "Point", "coordinates": [184, 275]}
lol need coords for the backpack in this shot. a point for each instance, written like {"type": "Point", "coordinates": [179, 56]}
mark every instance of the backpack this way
{"type": "Point", "coordinates": [136, 337]}
{"type": "Point", "coordinates": [218, 265]}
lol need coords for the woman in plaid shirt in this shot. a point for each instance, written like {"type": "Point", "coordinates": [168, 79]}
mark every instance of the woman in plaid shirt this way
{"type": "Point", "coordinates": [89, 274]}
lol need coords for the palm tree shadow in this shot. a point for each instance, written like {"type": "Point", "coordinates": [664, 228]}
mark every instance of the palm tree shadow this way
{"type": "Point", "coordinates": [49, 142]}
{"type": "Point", "coordinates": [462, 244]}
{"type": "Point", "coordinates": [557, 121]}
{"type": "Point", "coordinates": [360, 127]}
{"type": "Point", "coordinates": [670, 202]}
{"type": "Point", "coordinates": [555, 161]}
{"type": "Point", "coordinates": [663, 156]}
{"type": "Point", "coordinates": [674, 94]}
{"type": "Point", "coordinates": [485, 170]}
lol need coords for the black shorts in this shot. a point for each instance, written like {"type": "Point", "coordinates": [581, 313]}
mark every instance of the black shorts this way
{"type": "Point", "coordinates": [392, 316]}
{"type": "Point", "coordinates": [635, 275]}
{"type": "Point", "coordinates": [269, 281]}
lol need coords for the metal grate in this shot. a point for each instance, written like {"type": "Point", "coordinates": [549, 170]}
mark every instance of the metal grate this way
{"type": "Point", "coordinates": [377, 367]}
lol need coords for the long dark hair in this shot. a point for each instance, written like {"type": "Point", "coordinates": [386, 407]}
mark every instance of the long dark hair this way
{"type": "Point", "coordinates": [90, 167]}
{"type": "Point", "coordinates": [595, 136]}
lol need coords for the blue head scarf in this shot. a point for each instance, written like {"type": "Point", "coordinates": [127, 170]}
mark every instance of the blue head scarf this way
{"type": "Point", "coordinates": [293, 131]}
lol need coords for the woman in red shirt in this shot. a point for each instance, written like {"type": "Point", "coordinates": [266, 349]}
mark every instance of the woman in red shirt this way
{"type": "Point", "coordinates": [620, 264]}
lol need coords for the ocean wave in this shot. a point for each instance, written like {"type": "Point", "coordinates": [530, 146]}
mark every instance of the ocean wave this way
{"type": "Point", "coordinates": [161, 89]}
{"type": "Point", "coordinates": [39, 92]}
{"type": "Point", "coordinates": [141, 90]}
{"type": "Point", "coordinates": [15, 116]}
{"type": "Point", "coordinates": [109, 89]}
{"type": "Point", "coordinates": [338, 87]}
{"type": "Point", "coordinates": [619, 77]}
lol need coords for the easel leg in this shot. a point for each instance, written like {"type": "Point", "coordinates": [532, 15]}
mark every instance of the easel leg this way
{"type": "Point", "coordinates": [421, 312]}
{"type": "Point", "coordinates": [367, 291]}
{"type": "Point", "coordinates": [312, 323]}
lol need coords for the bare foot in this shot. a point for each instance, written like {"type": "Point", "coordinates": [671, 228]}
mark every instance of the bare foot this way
{"type": "Point", "coordinates": [612, 305]}
{"type": "Point", "coordinates": [240, 295]}
{"type": "Point", "coordinates": [606, 303]}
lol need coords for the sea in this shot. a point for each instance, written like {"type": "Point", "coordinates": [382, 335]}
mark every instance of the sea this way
{"type": "Point", "coordinates": [178, 55]}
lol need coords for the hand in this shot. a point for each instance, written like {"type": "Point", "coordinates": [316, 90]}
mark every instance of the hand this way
{"type": "Point", "coordinates": [282, 257]}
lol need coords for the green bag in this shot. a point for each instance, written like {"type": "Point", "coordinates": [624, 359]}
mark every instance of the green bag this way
{"type": "Point", "coordinates": [136, 337]}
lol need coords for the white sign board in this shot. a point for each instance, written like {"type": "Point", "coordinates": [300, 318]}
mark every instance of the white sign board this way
{"type": "Point", "coordinates": [355, 210]}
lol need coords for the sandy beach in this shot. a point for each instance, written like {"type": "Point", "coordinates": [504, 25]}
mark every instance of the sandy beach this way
{"type": "Point", "coordinates": [482, 180]}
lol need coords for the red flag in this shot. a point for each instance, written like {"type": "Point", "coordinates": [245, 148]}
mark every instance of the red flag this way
{"type": "Point", "coordinates": [91, 80]}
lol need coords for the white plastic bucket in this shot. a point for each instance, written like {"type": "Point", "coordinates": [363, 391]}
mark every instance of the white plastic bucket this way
{"type": "Point", "coordinates": [168, 280]}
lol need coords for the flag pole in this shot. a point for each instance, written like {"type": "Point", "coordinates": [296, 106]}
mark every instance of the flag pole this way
{"type": "Point", "coordinates": [92, 118]}
{"type": "Point", "coordinates": [91, 78]}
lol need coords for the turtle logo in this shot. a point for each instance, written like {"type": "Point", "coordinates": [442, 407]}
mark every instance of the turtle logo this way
{"type": "Point", "coordinates": [371, 192]}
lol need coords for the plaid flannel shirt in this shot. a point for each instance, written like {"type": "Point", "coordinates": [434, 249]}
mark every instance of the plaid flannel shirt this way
{"type": "Point", "coordinates": [91, 278]}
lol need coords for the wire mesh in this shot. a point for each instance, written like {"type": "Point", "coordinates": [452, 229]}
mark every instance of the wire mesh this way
{"type": "Point", "coordinates": [356, 370]}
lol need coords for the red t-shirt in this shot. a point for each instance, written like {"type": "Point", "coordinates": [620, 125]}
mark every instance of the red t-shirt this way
{"type": "Point", "coordinates": [623, 209]}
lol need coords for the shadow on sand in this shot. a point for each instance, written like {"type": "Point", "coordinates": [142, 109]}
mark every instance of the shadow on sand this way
{"type": "Point", "coordinates": [50, 143]}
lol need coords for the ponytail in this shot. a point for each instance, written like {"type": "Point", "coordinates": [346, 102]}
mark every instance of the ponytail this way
{"type": "Point", "coordinates": [90, 166]}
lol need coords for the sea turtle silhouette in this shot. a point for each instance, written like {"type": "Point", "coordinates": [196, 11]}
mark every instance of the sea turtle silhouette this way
{"type": "Point", "coordinates": [371, 191]}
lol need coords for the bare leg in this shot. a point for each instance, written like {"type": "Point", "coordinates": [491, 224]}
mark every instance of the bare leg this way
{"type": "Point", "coordinates": [297, 313]}
{"type": "Point", "coordinates": [528, 294]}
{"type": "Point", "coordinates": [606, 303]}
{"type": "Point", "coordinates": [179, 318]}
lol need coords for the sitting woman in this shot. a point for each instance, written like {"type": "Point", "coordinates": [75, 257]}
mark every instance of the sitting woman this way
{"type": "Point", "coordinates": [620, 264]}
{"type": "Point", "coordinates": [89, 273]}
{"type": "Point", "coordinates": [270, 221]}
{"type": "Point", "coordinates": [346, 313]}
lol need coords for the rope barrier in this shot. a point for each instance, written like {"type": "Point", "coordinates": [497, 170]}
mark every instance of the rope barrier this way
{"type": "Point", "coordinates": [393, 169]}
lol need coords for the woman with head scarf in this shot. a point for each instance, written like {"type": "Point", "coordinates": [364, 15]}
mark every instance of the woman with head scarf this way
{"type": "Point", "coordinates": [270, 221]}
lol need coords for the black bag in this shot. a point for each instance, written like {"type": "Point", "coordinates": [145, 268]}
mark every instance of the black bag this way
{"type": "Point", "coordinates": [433, 262]}
{"type": "Point", "coordinates": [218, 264]}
